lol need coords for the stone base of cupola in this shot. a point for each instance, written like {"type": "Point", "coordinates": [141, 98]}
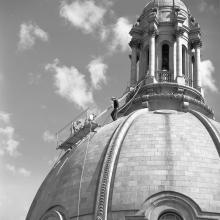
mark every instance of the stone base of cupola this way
{"type": "Point", "coordinates": [172, 96]}
{"type": "Point", "coordinates": [150, 79]}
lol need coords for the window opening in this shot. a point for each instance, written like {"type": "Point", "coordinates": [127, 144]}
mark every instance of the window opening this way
{"type": "Point", "coordinates": [165, 57]}
{"type": "Point", "coordinates": [170, 216]}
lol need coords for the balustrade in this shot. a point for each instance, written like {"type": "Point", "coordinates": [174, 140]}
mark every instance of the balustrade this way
{"type": "Point", "coordinates": [164, 76]}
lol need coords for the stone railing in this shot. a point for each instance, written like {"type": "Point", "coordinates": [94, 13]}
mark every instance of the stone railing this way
{"type": "Point", "coordinates": [164, 76]}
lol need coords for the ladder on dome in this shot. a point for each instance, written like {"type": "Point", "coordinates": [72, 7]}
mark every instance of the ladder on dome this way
{"type": "Point", "coordinates": [68, 138]}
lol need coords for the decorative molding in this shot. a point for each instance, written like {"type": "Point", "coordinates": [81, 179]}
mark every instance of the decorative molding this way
{"type": "Point", "coordinates": [105, 180]}
{"type": "Point", "coordinates": [171, 201]}
{"type": "Point", "coordinates": [179, 31]}
{"type": "Point", "coordinates": [195, 43]}
{"type": "Point", "coordinates": [152, 15]}
{"type": "Point", "coordinates": [177, 97]}
{"type": "Point", "coordinates": [135, 43]}
{"type": "Point", "coordinates": [153, 29]}
{"type": "Point", "coordinates": [56, 212]}
{"type": "Point", "coordinates": [175, 93]}
{"type": "Point", "coordinates": [136, 30]}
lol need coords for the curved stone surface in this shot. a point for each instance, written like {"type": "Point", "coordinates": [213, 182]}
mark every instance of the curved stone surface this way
{"type": "Point", "coordinates": [167, 152]}
{"type": "Point", "coordinates": [61, 186]}
{"type": "Point", "coordinates": [161, 151]}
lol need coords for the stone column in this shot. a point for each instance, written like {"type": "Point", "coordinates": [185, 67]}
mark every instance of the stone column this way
{"type": "Point", "coordinates": [133, 77]}
{"type": "Point", "coordinates": [180, 79]}
{"type": "Point", "coordinates": [152, 40]}
{"type": "Point", "coordinates": [152, 56]}
{"type": "Point", "coordinates": [198, 82]}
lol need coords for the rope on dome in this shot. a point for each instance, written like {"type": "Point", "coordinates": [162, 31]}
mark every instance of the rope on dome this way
{"type": "Point", "coordinates": [83, 167]}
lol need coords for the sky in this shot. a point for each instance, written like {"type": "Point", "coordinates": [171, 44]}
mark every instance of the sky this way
{"type": "Point", "coordinates": [56, 59]}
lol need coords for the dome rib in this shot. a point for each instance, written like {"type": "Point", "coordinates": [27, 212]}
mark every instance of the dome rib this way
{"type": "Point", "coordinates": [109, 164]}
{"type": "Point", "coordinates": [209, 127]}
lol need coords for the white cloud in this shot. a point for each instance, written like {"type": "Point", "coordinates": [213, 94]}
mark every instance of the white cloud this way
{"type": "Point", "coordinates": [71, 84]}
{"type": "Point", "coordinates": [22, 171]}
{"type": "Point", "coordinates": [207, 70]}
{"type": "Point", "coordinates": [4, 117]}
{"type": "Point", "coordinates": [10, 167]}
{"type": "Point", "coordinates": [7, 142]}
{"type": "Point", "coordinates": [97, 71]}
{"type": "Point", "coordinates": [85, 15]}
{"type": "Point", "coordinates": [29, 32]}
{"type": "Point", "coordinates": [121, 36]}
{"type": "Point", "coordinates": [49, 137]}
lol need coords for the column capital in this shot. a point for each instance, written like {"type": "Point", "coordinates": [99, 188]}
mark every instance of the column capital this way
{"type": "Point", "coordinates": [153, 30]}
{"type": "Point", "coordinates": [135, 43]}
{"type": "Point", "coordinates": [179, 32]}
{"type": "Point", "coordinates": [196, 43]}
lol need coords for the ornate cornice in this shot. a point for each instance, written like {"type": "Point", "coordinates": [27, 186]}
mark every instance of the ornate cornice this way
{"type": "Point", "coordinates": [176, 94]}
{"type": "Point", "coordinates": [179, 31]}
{"type": "Point", "coordinates": [153, 29]}
{"type": "Point", "coordinates": [136, 30]}
{"type": "Point", "coordinates": [135, 43]}
{"type": "Point", "coordinates": [195, 43]}
{"type": "Point", "coordinates": [179, 16]}
{"type": "Point", "coordinates": [177, 97]}
{"type": "Point", "coordinates": [152, 15]}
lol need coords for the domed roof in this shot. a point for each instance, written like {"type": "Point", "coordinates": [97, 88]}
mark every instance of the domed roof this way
{"type": "Point", "coordinates": [165, 3]}
{"type": "Point", "coordinates": [131, 159]}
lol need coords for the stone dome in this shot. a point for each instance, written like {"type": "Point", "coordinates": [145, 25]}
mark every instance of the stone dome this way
{"type": "Point", "coordinates": [166, 3]}
{"type": "Point", "coordinates": [126, 163]}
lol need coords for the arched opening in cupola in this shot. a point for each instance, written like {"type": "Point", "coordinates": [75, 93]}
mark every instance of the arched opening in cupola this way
{"type": "Point", "coordinates": [147, 59]}
{"type": "Point", "coordinates": [165, 57]}
{"type": "Point", "coordinates": [170, 216]}
{"type": "Point", "coordinates": [193, 70]}
{"type": "Point", "coordinates": [184, 60]}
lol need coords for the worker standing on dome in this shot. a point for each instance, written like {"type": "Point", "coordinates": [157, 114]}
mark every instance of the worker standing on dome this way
{"type": "Point", "coordinates": [114, 113]}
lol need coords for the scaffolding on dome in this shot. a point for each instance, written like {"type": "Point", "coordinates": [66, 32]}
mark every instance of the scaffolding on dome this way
{"type": "Point", "coordinates": [80, 127]}
{"type": "Point", "coordinates": [76, 130]}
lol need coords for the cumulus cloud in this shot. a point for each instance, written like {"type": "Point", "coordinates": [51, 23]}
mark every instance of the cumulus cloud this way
{"type": "Point", "coordinates": [4, 117]}
{"type": "Point", "coordinates": [97, 71]}
{"type": "Point", "coordinates": [22, 171]}
{"type": "Point", "coordinates": [207, 70]}
{"type": "Point", "coordinates": [71, 84]}
{"type": "Point", "coordinates": [49, 137]}
{"type": "Point", "coordinates": [8, 144]}
{"type": "Point", "coordinates": [89, 17]}
{"type": "Point", "coordinates": [29, 33]}
{"type": "Point", "coordinates": [10, 167]}
{"type": "Point", "coordinates": [85, 15]}
{"type": "Point", "coordinates": [121, 36]}
{"type": "Point", "coordinates": [212, 6]}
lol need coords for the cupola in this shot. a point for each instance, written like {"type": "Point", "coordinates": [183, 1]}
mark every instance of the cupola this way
{"type": "Point", "coordinates": [165, 57]}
